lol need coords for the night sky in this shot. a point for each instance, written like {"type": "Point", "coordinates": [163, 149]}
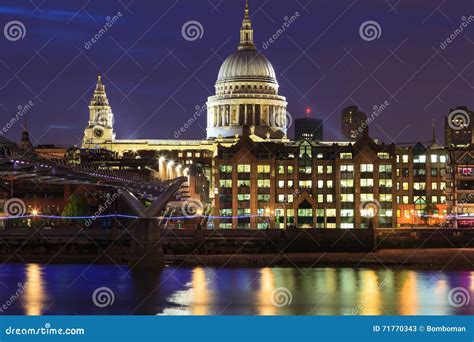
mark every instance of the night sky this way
{"type": "Point", "coordinates": [155, 78]}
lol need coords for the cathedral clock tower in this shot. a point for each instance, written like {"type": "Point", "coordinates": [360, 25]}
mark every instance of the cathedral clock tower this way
{"type": "Point", "coordinates": [101, 119]}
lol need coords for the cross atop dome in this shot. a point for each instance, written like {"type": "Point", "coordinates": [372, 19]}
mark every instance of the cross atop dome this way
{"type": "Point", "coordinates": [246, 32]}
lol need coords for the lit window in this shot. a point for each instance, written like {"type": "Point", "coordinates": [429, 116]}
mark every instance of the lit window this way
{"type": "Point", "coordinates": [366, 197]}
{"type": "Point", "coordinates": [320, 184]}
{"type": "Point", "coordinates": [225, 183]}
{"type": "Point", "coordinates": [405, 186]}
{"type": "Point", "coordinates": [329, 198]}
{"type": "Point", "coordinates": [419, 186]}
{"type": "Point", "coordinates": [243, 168]}
{"type": "Point", "coordinates": [385, 183]}
{"type": "Point", "coordinates": [320, 169]}
{"type": "Point", "coordinates": [281, 184]}
{"type": "Point", "coordinates": [434, 186]}
{"type": "Point", "coordinates": [347, 213]}
{"type": "Point", "coordinates": [329, 169]}
{"type": "Point", "coordinates": [263, 168]}
{"type": "Point", "coordinates": [290, 184]}
{"type": "Point", "coordinates": [347, 198]}
{"type": "Point", "coordinates": [345, 155]}
{"type": "Point", "coordinates": [366, 182]}
{"type": "Point", "coordinates": [434, 158]}
{"type": "Point", "coordinates": [383, 155]}
{"type": "Point", "coordinates": [385, 198]}
{"type": "Point", "coordinates": [347, 168]}
{"type": "Point", "coordinates": [263, 183]}
{"type": "Point", "coordinates": [329, 184]}
{"type": "Point", "coordinates": [366, 167]}
{"type": "Point", "coordinates": [226, 168]}
{"type": "Point", "coordinates": [305, 184]}
{"type": "Point", "coordinates": [405, 200]}
{"type": "Point", "coordinates": [442, 159]}
{"type": "Point", "coordinates": [385, 168]}
{"type": "Point", "coordinates": [405, 158]}
{"type": "Point", "coordinates": [419, 159]}
{"type": "Point", "coordinates": [347, 183]}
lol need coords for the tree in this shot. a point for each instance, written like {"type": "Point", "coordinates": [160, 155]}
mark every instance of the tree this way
{"type": "Point", "coordinates": [76, 206]}
{"type": "Point", "coordinates": [429, 211]}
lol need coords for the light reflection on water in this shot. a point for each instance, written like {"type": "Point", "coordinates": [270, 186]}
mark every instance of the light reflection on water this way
{"type": "Point", "coordinates": [67, 289]}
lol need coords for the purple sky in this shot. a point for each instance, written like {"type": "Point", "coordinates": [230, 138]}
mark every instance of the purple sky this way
{"type": "Point", "coordinates": [155, 78]}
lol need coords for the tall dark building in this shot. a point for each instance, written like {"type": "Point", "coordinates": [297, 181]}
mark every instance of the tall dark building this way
{"type": "Point", "coordinates": [458, 127]}
{"type": "Point", "coordinates": [353, 123]}
{"type": "Point", "coordinates": [309, 128]}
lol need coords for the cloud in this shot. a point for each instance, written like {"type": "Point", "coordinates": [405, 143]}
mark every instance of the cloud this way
{"type": "Point", "coordinates": [52, 15]}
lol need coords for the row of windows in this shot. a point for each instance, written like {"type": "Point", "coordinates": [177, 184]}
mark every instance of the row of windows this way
{"type": "Point", "coordinates": [420, 159]}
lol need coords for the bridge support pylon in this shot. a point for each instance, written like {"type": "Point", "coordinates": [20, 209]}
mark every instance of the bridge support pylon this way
{"type": "Point", "coordinates": [146, 251]}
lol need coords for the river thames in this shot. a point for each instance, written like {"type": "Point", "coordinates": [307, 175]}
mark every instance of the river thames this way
{"type": "Point", "coordinates": [34, 289]}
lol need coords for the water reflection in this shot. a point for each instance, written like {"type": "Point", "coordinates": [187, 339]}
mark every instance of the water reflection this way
{"type": "Point", "coordinates": [67, 289]}
{"type": "Point", "coordinates": [34, 295]}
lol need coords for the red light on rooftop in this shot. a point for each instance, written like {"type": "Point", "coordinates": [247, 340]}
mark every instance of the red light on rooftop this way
{"type": "Point", "coordinates": [308, 111]}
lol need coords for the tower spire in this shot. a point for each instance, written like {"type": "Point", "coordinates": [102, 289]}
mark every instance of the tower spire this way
{"type": "Point", "coordinates": [246, 32]}
{"type": "Point", "coordinates": [433, 138]}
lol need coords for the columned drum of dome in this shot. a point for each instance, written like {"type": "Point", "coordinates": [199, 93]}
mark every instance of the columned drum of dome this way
{"type": "Point", "coordinates": [246, 94]}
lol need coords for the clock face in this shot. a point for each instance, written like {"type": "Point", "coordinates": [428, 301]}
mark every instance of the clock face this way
{"type": "Point", "coordinates": [98, 133]}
